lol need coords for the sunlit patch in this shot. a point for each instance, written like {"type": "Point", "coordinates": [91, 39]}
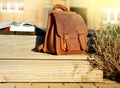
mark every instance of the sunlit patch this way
{"type": "Point", "coordinates": [111, 15]}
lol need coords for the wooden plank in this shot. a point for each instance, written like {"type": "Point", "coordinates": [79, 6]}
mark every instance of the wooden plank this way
{"type": "Point", "coordinates": [48, 71]}
{"type": "Point", "coordinates": [20, 47]}
{"type": "Point", "coordinates": [20, 64]}
{"type": "Point", "coordinates": [59, 85]}
{"type": "Point", "coordinates": [47, 85]}
{"type": "Point", "coordinates": [108, 85]}
{"type": "Point", "coordinates": [34, 55]}
{"type": "Point", "coordinates": [41, 85]}
{"type": "Point", "coordinates": [24, 85]}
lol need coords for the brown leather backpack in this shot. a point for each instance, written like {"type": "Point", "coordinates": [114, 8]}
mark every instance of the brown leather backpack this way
{"type": "Point", "coordinates": [66, 32]}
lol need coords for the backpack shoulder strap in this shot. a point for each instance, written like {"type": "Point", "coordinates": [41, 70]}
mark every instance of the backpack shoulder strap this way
{"type": "Point", "coordinates": [40, 47]}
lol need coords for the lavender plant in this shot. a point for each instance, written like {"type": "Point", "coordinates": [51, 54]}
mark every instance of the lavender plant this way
{"type": "Point", "coordinates": [107, 51]}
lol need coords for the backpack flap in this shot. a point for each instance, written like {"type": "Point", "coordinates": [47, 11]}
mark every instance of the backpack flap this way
{"type": "Point", "coordinates": [72, 31]}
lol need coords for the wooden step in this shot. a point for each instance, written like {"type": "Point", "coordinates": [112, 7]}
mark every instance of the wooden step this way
{"type": "Point", "coordinates": [48, 71]}
{"type": "Point", "coordinates": [18, 63]}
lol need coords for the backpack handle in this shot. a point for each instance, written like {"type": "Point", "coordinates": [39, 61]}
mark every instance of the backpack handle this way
{"type": "Point", "coordinates": [60, 7]}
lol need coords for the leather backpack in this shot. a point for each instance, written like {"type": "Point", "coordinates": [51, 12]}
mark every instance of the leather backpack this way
{"type": "Point", "coordinates": [66, 32]}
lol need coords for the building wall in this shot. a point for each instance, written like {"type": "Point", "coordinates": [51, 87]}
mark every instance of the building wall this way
{"type": "Point", "coordinates": [33, 11]}
{"type": "Point", "coordinates": [95, 9]}
{"type": "Point", "coordinates": [90, 6]}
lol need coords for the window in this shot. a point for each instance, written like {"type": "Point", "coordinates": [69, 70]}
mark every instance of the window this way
{"type": "Point", "coordinates": [16, 7]}
{"type": "Point", "coordinates": [111, 15]}
{"type": "Point", "coordinates": [4, 6]}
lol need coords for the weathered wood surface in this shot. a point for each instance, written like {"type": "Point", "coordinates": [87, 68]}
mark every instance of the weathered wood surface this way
{"type": "Point", "coordinates": [48, 71]}
{"type": "Point", "coordinates": [18, 63]}
{"type": "Point", "coordinates": [17, 46]}
{"type": "Point", "coordinates": [104, 84]}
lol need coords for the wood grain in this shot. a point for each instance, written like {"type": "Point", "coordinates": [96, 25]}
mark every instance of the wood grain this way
{"type": "Point", "coordinates": [48, 71]}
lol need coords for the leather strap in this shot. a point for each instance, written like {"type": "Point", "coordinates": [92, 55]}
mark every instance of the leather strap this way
{"type": "Point", "coordinates": [82, 42]}
{"type": "Point", "coordinates": [40, 47]}
{"type": "Point", "coordinates": [67, 42]}
{"type": "Point", "coordinates": [61, 7]}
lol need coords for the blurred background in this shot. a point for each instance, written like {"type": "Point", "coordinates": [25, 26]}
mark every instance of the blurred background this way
{"type": "Point", "coordinates": [94, 12]}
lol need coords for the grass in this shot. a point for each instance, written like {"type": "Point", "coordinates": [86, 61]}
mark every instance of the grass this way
{"type": "Point", "coordinates": [107, 51]}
